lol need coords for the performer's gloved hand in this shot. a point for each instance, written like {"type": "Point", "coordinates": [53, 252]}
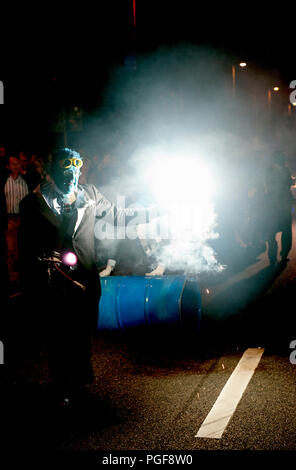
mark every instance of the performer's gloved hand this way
{"type": "Point", "coordinates": [158, 271]}
{"type": "Point", "coordinates": [108, 269]}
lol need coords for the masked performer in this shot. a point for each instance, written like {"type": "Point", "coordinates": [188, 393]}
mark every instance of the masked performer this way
{"type": "Point", "coordinates": [60, 278]}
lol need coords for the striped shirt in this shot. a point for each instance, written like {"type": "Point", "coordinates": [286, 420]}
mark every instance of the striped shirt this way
{"type": "Point", "coordinates": [15, 191]}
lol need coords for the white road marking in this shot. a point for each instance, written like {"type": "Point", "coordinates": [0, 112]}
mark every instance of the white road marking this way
{"type": "Point", "coordinates": [215, 423]}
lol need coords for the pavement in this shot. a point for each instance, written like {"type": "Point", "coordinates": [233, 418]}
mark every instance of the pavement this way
{"type": "Point", "coordinates": [153, 391]}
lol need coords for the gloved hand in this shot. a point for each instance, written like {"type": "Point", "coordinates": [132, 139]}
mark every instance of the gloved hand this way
{"type": "Point", "coordinates": [158, 271]}
{"type": "Point", "coordinates": [108, 269]}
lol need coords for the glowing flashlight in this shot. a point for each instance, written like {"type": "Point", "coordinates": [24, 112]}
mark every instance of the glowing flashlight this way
{"type": "Point", "coordinates": [69, 258]}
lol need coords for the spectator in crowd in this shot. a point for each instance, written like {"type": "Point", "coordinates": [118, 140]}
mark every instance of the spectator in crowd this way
{"type": "Point", "coordinates": [256, 221]}
{"type": "Point", "coordinates": [3, 245]}
{"type": "Point", "coordinates": [28, 171]}
{"type": "Point", "coordinates": [2, 157]}
{"type": "Point", "coordinates": [278, 182]}
{"type": "Point", "coordinates": [15, 189]}
{"type": "Point", "coordinates": [38, 164]}
{"type": "Point", "coordinates": [231, 208]}
{"type": "Point", "coordinates": [84, 177]}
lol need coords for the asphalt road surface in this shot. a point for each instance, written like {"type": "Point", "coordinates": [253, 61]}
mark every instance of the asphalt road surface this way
{"type": "Point", "coordinates": [153, 390]}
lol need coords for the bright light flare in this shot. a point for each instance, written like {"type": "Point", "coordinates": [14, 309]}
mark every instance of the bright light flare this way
{"type": "Point", "coordinates": [178, 181]}
{"type": "Point", "coordinates": [243, 64]}
{"type": "Point", "coordinates": [69, 258]}
{"type": "Point", "coordinates": [183, 186]}
{"type": "Point", "coordinates": [275, 88]}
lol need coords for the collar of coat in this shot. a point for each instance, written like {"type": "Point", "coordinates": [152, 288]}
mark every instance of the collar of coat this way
{"type": "Point", "coordinates": [49, 194]}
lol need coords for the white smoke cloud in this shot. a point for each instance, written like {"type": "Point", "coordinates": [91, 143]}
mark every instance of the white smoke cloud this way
{"type": "Point", "coordinates": [179, 103]}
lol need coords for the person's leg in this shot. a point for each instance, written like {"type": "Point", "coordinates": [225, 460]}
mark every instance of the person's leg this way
{"type": "Point", "coordinates": [286, 237]}
{"type": "Point", "coordinates": [3, 266]}
{"type": "Point", "coordinates": [70, 347]}
{"type": "Point", "coordinates": [12, 248]}
{"type": "Point", "coordinates": [272, 248]}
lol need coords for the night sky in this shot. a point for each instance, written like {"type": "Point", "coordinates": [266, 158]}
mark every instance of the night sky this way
{"type": "Point", "coordinates": [54, 54]}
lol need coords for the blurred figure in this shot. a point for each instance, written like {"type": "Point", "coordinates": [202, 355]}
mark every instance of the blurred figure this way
{"type": "Point", "coordinates": [278, 182]}
{"type": "Point", "coordinates": [256, 209]}
{"type": "Point", "coordinates": [3, 245]}
{"type": "Point", "coordinates": [150, 247]}
{"type": "Point", "coordinates": [84, 176]}
{"type": "Point", "coordinates": [15, 189]}
{"type": "Point", "coordinates": [231, 207]}
{"type": "Point", "coordinates": [24, 162]}
{"type": "Point", "coordinates": [39, 164]}
{"type": "Point", "coordinates": [2, 157]}
{"type": "Point", "coordinates": [28, 171]}
{"type": "Point", "coordinates": [256, 226]}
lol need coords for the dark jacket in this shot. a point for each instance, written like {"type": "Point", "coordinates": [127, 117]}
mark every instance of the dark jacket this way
{"type": "Point", "coordinates": [41, 222]}
{"type": "Point", "coordinates": [32, 178]}
{"type": "Point", "coordinates": [40, 235]}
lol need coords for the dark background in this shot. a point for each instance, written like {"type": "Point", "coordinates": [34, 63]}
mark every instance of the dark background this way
{"type": "Point", "coordinates": [55, 55]}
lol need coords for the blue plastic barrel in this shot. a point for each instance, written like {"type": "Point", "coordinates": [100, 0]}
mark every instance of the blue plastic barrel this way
{"type": "Point", "coordinates": [130, 301]}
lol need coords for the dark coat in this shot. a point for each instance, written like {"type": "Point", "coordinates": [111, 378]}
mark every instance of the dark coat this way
{"type": "Point", "coordinates": [40, 224]}
{"type": "Point", "coordinates": [39, 236]}
{"type": "Point", "coordinates": [32, 178]}
{"type": "Point", "coordinates": [279, 198]}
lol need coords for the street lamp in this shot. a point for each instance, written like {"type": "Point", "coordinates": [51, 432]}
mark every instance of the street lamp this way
{"type": "Point", "coordinates": [242, 65]}
{"type": "Point", "coordinates": [290, 108]}
{"type": "Point", "coordinates": [275, 89]}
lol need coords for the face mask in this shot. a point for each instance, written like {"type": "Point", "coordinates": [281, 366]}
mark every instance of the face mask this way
{"type": "Point", "coordinates": [66, 174]}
